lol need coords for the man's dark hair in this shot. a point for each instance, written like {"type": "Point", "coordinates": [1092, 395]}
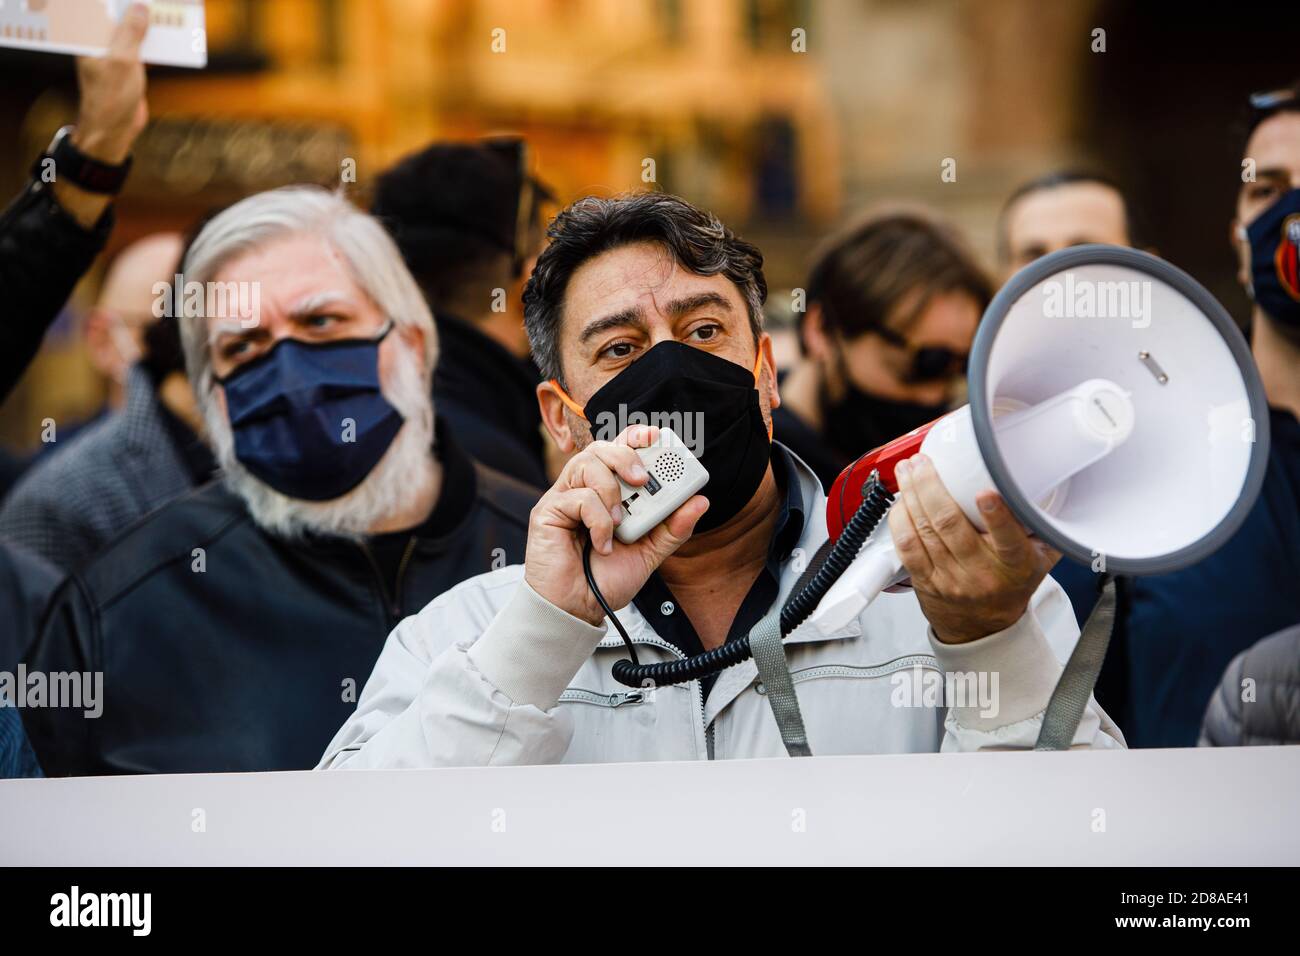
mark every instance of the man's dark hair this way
{"type": "Point", "coordinates": [696, 239]}
{"type": "Point", "coordinates": [1069, 177]}
{"type": "Point", "coordinates": [465, 216]}
{"type": "Point", "coordinates": [861, 274]}
{"type": "Point", "coordinates": [1262, 107]}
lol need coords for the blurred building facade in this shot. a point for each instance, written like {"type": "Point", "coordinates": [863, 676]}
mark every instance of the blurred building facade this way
{"type": "Point", "coordinates": [782, 116]}
{"type": "Point", "coordinates": [720, 101]}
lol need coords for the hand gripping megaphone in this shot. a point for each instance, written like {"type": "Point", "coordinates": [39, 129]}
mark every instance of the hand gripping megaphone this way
{"type": "Point", "coordinates": [1113, 404]}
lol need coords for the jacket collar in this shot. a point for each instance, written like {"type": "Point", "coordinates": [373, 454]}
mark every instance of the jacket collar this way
{"type": "Point", "coordinates": [142, 414]}
{"type": "Point", "coordinates": [148, 455]}
{"type": "Point", "coordinates": [456, 491]}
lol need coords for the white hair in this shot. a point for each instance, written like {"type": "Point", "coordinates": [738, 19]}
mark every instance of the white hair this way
{"type": "Point", "coordinates": [406, 469]}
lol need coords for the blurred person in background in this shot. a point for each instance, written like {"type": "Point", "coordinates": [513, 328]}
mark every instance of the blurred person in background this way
{"type": "Point", "coordinates": [121, 467]}
{"type": "Point", "coordinates": [1064, 208]}
{"type": "Point", "coordinates": [1176, 633]}
{"type": "Point", "coordinates": [893, 302]}
{"type": "Point", "coordinates": [26, 583]}
{"type": "Point", "coordinates": [467, 217]}
{"type": "Point", "coordinates": [49, 236]}
{"type": "Point", "coordinates": [114, 326]}
{"type": "Point", "coordinates": [235, 624]}
{"type": "Point", "coordinates": [1257, 704]}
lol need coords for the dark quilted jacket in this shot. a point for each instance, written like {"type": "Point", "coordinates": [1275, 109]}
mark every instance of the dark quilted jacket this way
{"type": "Point", "coordinates": [1270, 712]}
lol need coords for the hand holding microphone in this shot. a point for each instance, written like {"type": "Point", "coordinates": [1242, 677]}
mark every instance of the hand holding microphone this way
{"type": "Point", "coordinates": [586, 501]}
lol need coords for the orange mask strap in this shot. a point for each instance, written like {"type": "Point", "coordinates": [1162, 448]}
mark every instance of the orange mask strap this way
{"type": "Point", "coordinates": [574, 407]}
{"type": "Point", "coordinates": [568, 402]}
{"type": "Point", "coordinates": [758, 368]}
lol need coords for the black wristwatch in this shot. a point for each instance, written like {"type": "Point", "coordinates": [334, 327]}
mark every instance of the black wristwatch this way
{"type": "Point", "coordinates": [83, 171]}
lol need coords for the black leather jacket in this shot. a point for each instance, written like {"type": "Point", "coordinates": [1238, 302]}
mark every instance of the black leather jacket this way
{"type": "Point", "coordinates": [44, 252]}
{"type": "Point", "coordinates": [250, 653]}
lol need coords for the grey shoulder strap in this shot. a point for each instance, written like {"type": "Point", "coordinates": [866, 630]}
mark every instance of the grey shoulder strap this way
{"type": "Point", "coordinates": [1066, 705]}
{"type": "Point", "coordinates": [769, 654]}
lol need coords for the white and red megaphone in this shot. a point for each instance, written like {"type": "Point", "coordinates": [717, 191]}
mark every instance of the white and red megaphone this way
{"type": "Point", "coordinates": [1113, 404]}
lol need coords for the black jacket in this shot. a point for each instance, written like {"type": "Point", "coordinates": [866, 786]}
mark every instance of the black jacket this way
{"type": "Point", "coordinates": [251, 653]}
{"type": "Point", "coordinates": [489, 398]}
{"type": "Point", "coordinates": [26, 583]}
{"type": "Point", "coordinates": [44, 252]}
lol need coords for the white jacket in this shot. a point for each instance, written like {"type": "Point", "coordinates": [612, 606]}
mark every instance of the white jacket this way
{"type": "Point", "coordinates": [492, 673]}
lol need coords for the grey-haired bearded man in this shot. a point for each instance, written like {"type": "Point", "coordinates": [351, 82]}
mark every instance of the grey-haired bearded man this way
{"type": "Point", "coordinates": [233, 626]}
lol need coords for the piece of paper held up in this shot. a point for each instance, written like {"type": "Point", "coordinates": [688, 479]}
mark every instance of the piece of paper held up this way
{"type": "Point", "coordinates": [177, 28]}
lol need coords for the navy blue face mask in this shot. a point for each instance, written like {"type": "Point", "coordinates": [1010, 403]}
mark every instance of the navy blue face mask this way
{"type": "Point", "coordinates": [1274, 239]}
{"type": "Point", "coordinates": [309, 418]}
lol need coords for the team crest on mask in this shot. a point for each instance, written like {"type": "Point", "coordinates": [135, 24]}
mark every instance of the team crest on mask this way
{"type": "Point", "coordinates": [1288, 257]}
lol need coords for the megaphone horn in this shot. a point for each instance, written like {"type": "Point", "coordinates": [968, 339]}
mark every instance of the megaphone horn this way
{"type": "Point", "coordinates": [1113, 404]}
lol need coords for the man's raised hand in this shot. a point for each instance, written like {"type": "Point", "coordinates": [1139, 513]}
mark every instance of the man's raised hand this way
{"type": "Point", "coordinates": [584, 501]}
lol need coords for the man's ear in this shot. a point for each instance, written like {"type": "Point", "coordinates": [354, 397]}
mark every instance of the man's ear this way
{"type": "Point", "coordinates": [768, 378]}
{"type": "Point", "coordinates": [816, 341]}
{"type": "Point", "coordinates": [413, 336]}
{"type": "Point", "coordinates": [555, 416]}
{"type": "Point", "coordinates": [97, 332]}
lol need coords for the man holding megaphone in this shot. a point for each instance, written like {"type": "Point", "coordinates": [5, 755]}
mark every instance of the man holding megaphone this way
{"type": "Point", "coordinates": [645, 306]}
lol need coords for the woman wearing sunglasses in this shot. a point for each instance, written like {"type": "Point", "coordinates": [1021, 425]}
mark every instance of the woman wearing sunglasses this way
{"type": "Point", "coordinates": [892, 306]}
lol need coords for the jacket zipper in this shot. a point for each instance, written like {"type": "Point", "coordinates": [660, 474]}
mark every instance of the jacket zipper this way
{"type": "Point", "coordinates": [400, 583]}
{"type": "Point", "coordinates": [699, 693]}
{"type": "Point", "coordinates": [391, 603]}
{"type": "Point", "coordinates": [576, 695]}
{"type": "Point", "coordinates": [708, 728]}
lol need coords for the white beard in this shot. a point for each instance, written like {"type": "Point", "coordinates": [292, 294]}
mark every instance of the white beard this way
{"type": "Point", "coordinates": [396, 484]}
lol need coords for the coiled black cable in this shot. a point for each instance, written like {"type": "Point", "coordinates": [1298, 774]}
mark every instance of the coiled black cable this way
{"type": "Point", "coordinates": [876, 500]}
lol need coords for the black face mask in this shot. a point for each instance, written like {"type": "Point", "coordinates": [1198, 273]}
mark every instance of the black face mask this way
{"type": "Point", "coordinates": [860, 421]}
{"type": "Point", "coordinates": [713, 406]}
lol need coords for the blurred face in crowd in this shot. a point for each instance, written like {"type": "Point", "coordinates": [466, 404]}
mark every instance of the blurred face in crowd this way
{"type": "Point", "coordinates": [307, 293]}
{"type": "Point", "coordinates": [1275, 148]}
{"type": "Point", "coordinates": [620, 304]}
{"type": "Point", "coordinates": [886, 366]}
{"type": "Point", "coordinates": [115, 325]}
{"type": "Point", "coordinates": [1047, 220]}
